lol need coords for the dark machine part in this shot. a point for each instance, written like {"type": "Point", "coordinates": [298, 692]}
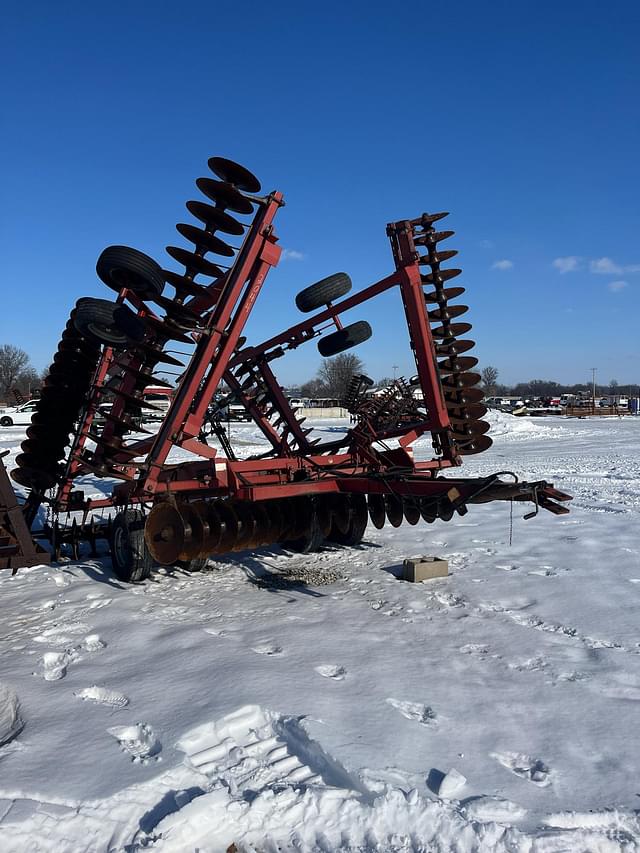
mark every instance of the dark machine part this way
{"type": "Point", "coordinates": [301, 492]}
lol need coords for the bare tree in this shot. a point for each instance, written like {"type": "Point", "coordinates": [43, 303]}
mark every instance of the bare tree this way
{"type": "Point", "coordinates": [489, 379]}
{"type": "Point", "coordinates": [336, 373]}
{"type": "Point", "coordinates": [313, 388]}
{"type": "Point", "coordinates": [13, 362]}
{"type": "Point", "coordinates": [385, 382]}
{"type": "Point", "coordinates": [28, 381]}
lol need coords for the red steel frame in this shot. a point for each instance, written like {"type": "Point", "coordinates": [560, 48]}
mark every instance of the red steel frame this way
{"type": "Point", "coordinates": [296, 466]}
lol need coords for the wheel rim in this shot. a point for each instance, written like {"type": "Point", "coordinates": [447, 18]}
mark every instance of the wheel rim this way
{"type": "Point", "coordinates": [107, 333]}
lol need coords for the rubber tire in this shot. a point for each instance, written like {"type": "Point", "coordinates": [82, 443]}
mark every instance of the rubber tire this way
{"type": "Point", "coordinates": [6, 422]}
{"type": "Point", "coordinates": [326, 290]}
{"type": "Point", "coordinates": [344, 339]}
{"type": "Point", "coordinates": [121, 266]}
{"type": "Point", "coordinates": [92, 314]}
{"type": "Point", "coordinates": [130, 556]}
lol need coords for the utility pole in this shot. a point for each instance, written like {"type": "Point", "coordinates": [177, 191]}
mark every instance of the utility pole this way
{"type": "Point", "coordinates": [394, 367]}
{"type": "Point", "coordinates": [593, 381]}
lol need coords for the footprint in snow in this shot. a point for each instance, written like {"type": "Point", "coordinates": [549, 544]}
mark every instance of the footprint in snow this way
{"type": "Point", "coordinates": [93, 643]}
{"type": "Point", "coordinates": [532, 769]}
{"type": "Point", "coordinates": [215, 632]}
{"type": "Point", "coordinates": [267, 649]}
{"type": "Point", "coordinates": [54, 664]}
{"type": "Point", "coordinates": [337, 673]}
{"type": "Point", "coordinates": [102, 696]}
{"type": "Point", "coordinates": [477, 649]}
{"type": "Point", "coordinates": [423, 714]}
{"type": "Point", "coordinates": [139, 741]}
{"type": "Point", "coordinates": [99, 603]}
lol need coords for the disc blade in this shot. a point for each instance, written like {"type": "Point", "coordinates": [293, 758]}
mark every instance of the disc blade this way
{"type": "Point", "coordinates": [146, 380]}
{"type": "Point", "coordinates": [234, 173]}
{"type": "Point", "coordinates": [458, 397]}
{"type": "Point", "coordinates": [451, 331]}
{"type": "Point", "coordinates": [394, 510]}
{"type": "Point", "coordinates": [155, 354]}
{"type": "Point", "coordinates": [438, 257]}
{"type": "Point", "coordinates": [184, 285]}
{"type": "Point", "coordinates": [454, 347]}
{"type": "Point", "coordinates": [440, 276]}
{"type": "Point", "coordinates": [230, 525]}
{"type": "Point", "coordinates": [430, 218]}
{"type": "Point", "coordinates": [136, 401]}
{"type": "Point", "coordinates": [177, 311]}
{"type": "Point", "coordinates": [225, 195]}
{"type": "Point", "coordinates": [215, 218]}
{"type": "Point", "coordinates": [428, 509]}
{"type": "Point", "coordinates": [476, 445]}
{"type": "Point", "coordinates": [194, 526]}
{"type": "Point", "coordinates": [448, 312]}
{"type": "Point", "coordinates": [463, 414]}
{"type": "Point", "coordinates": [377, 512]}
{"type": "Point", "coordinates": [456, 364]}
{"type": "Point", "coordinates": [193, 261]}
{"type": "Point", "coordinates": [164, 533]}
{"type": "Point", "coordinates": [411, 510]}
{"type": "Point", "coordinates": [435, 296]}
{"type": "Point", "coordinates": [468, 429]}
{"type": "Point", "coordinates": [124, 421]}
{"type": "Point", "coordinates": [461, 380]}
{"type": "Point", "coordinates": [204, 238]}
{"type": "Point", "coordinates": [166, 329]}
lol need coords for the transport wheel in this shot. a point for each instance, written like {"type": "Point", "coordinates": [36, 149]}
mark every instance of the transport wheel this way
{"type": "Point", "coordinates": [121, 266]}
{"type": "Point", "coordinates": [344, 339]}
{"type": "Point", "coordinates": [6, 421]}
{"type": "Point", "coordinates": [326, 290]}
{"type": "Point", "coordinates": [108, 323]}
{"type": "Point", "coordinates": [130, 556]}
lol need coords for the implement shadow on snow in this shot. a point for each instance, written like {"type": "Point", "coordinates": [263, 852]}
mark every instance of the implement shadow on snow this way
{"type": "Point", "coordinates": [273, 581]}
{"type": "Point", "coordinates": [97, 570]}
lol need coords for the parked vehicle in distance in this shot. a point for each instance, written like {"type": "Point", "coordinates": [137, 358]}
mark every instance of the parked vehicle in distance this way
{"type": "Point", "coordinates": [18, 415]}
{"type": "Point", "coordinates": [158, 400]}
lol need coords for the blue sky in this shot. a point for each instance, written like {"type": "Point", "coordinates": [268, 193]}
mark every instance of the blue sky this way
{"type": "Point", "coordinates": [520, 118]}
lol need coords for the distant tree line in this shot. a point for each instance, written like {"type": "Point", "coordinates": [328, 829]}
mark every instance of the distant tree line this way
{"type": "Point", "coordinates": [17, 372]}
{"type": "Point", "coordinates": [331, 380]}
{"type": "Point", "coordinates": [550, 388]}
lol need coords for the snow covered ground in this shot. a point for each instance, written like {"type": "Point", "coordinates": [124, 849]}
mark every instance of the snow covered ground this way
{"type": "Point", "coordinates": [494, 710]}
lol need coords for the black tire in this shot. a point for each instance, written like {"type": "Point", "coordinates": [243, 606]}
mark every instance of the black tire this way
{"type": "Point", "coordinates": [130, 556]}
{"type": "Point", "coordinates": [326, 290]}
{"type": "Point", "coordinates": [6, 421]}
{"type": "Point", "coordinates": [108, 323]}
{"type": "Point", "coordinates": [121, 266]}
{"type": "Point", "coordinates": [344, 339]}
